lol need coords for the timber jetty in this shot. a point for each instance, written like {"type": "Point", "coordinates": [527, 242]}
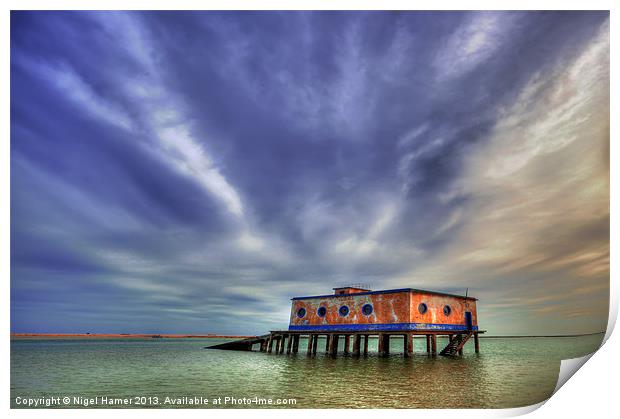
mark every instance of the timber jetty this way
{"type": "Point", "coordinates": [356, 314]}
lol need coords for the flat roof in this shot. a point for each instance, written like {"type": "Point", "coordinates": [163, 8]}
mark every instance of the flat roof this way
{"type": "Point", "coordinates": [386, 292]}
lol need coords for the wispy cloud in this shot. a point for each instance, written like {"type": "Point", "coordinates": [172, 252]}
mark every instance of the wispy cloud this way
{"type": "Point", "coordinates": [473, 42]}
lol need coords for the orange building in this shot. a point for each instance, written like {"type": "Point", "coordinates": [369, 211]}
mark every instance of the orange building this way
{"type": "Point", "coordinates": [357, 309]}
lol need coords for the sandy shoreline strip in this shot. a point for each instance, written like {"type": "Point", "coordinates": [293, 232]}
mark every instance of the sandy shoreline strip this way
{"type": "Point", "coordinates": [122, 335]}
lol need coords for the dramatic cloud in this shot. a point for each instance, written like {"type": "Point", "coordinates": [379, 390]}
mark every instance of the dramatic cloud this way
{"type": "Point", "coordinates": [191, 172]}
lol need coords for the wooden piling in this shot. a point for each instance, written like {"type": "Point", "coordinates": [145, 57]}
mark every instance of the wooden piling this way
{"type": "Point", "coordinates": [295, 343]}
{"type": "Point", "coordinates": [408, 349]}
{"type": "Point", "coordinates": [289, 344]}
{"type": "Point", "coordinates": [333, 347]}
{"type": "Point", "coordinates": [290, 341]}
{"type": "Point", "coordinates": [384, 344]}
{"type": "Point", "coordinates": [332, 339]}
{"type": "Point", "coordinates": [356, 344]}
{"type": "Point", "coordinates": [282, 342]}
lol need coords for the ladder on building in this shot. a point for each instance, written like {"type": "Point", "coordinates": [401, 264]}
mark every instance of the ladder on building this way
{"type": "Point", "coordinates": [456, 344]}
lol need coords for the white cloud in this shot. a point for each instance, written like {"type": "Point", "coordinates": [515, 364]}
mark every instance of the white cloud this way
{"type": "Point", "coordinates": [412, 135]}
{"type": "Point", "coordinates": [472, 43]}
{"type": "Point", "coordinates": [68, 83]}
{"type": "Point", "coordinates": [538, 196]}
{"type": "Point", "coordinates": [161, 111]}
{"type": "Point", "coordinates": [164, 115]}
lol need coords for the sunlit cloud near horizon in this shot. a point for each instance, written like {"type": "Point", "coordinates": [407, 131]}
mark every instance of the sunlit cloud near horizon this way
{"type": "Point", "coordinates": [190, 172]}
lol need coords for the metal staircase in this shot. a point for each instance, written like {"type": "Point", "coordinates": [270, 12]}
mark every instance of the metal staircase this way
{"type": "Point", "coordinates": [456, 344]}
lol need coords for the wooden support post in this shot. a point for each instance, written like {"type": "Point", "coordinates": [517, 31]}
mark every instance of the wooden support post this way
{"type": "Point", "coordinates": [366, 344]}
{"type": "Point", "coordinates": [278, 339]}
{"type": "Point", "coordinates": [428, 344]}
{"type": "Point", "coordinates": [450, 337]}
{"type": "Point", "coordinates": [328, 342]}
{"type": "Point", "coordinates": [477, 343]}
{"type": "Point", "coordinates": [270, 343]}
{"type": "Point", "coordinates": [295, 343]}
{"type": "Point", "coordinates": [347, 343]}
{"type": "Point", "coordinates": [408, 345]}
{"type": "Point", "coordinates": [289, 344]}
{"type": "Point", "coordinates": [282, 342]}
{"type": "Point", "coordinates": [356, 344]}
{"type": "Point", "coordinates": [384, 344]}
{"type": "Point", "coordinates": [310, 341]}
{"type": "Point", "coordinates": [263, 345]}
{"type": "Point", "coordinates": [434, 344]}
{"type": "Point", "coordinates": [333, 344]}
{"type": "Point", "coordinates": [461, 352]}
{"type": "Point", "coordinates": [315, 343]}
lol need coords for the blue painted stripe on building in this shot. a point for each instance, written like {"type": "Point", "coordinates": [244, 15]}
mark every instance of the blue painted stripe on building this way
{"type": "Point", "coordinates": [382, 327]}
{"type": "Point", "coordinates": [385, 292]}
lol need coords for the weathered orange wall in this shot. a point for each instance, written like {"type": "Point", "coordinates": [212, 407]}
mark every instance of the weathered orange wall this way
{"type": "Point", "coordinates": [397, 307]}
{"type": "Point", "coordinates": [387, 308]}
{"type": "Point", "coordinates": [436, 303]}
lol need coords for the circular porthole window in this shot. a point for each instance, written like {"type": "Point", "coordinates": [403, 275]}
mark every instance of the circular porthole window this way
{"type": "Point", "coordinates": [343, 311]}
{"type": "Point", "coordinates": [447, 310]}
{"type": "Point", "coordinates": [367, 309]}
{"type": "Point", "coordinates": [301, 313]}
{"type": "Point", "coordinates": [321, 312]}
{"type": "Point", "coordinates": [422, 308]}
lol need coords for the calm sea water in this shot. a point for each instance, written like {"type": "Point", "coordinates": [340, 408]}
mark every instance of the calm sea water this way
{"type": "Point", "coordinates": [507, 373]}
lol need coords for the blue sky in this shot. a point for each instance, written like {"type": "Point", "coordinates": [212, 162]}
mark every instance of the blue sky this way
{"type": "Point", "coordinates": [190, 172]}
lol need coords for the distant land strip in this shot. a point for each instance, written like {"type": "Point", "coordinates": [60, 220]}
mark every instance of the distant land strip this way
{"type": "Point", "coordinates": [541, 336]}
{"type": "Point", "coordinates": [123, 335]}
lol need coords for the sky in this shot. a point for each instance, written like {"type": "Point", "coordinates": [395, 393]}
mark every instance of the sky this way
{"type": "Point", "coordinates": [190, 172]}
